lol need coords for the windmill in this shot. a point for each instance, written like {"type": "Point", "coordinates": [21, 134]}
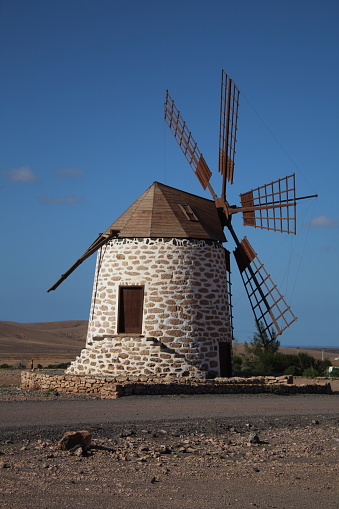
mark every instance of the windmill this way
{"type": "Point", "coordinates": [271, 207]}
{"type": "Point", "coordinates": [161, 300]}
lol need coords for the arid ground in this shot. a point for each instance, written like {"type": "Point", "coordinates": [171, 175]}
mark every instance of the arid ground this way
{"type": "Point", "coordinates": [237, 451]}
{"type": "Point", "coordinates": [51, 342]}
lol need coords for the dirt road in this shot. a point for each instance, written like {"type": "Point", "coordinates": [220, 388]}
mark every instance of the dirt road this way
{"type": "Point", "coordinates": [175, 452]}
{"type": "Point", "coordinates": [55, 410]}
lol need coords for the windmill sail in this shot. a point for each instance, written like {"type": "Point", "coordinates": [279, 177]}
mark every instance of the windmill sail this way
{"type": "Point", "coordinates": [97, 244]}
{"type": "Point", "coordinates": [271, 312]}
{"type": "Point", "coordinates": [272, 206]}
{"type": "Point", "coordinates": [229, 104]}
{"type": "Point", "coordinates": [186, 142]}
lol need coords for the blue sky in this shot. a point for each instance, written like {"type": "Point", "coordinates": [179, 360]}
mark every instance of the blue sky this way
{"type": "Point", "coordinates": [82, 136]}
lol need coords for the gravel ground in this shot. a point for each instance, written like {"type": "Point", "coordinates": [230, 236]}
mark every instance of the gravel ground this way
{"type": "Point", "coordinates": [178, 464]}
{"type": "Point", "coordinates": [170, 452]}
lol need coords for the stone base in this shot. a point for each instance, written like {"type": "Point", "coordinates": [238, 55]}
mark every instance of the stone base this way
{"type": "Point", "coordinates": [139, 356]}
{"type": "Point", "coordinates": [116, 387]}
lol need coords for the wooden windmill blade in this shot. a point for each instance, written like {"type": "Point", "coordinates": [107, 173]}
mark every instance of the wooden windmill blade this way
{"type": "Point", "coordinates": [229, 104]}
{"type": "Point", "coordinates": [271, 207]}
{"type": "Point", "coordinates": [271, 312]}
{"type": "Point", "coordinates": [97, 244]}
{"type": "Point", "coordinates": [187, 144]}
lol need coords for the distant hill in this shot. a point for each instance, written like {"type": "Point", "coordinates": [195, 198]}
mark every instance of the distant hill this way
{"type": "Point", "coordinates": [68, 337]}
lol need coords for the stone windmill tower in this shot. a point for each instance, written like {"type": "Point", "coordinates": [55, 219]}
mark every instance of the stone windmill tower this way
{"type": "Point", "coordinates": [161, 302]}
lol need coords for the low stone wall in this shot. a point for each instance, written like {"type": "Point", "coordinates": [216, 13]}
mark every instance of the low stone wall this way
{"type": "Point", "coordinates": [115, 387]}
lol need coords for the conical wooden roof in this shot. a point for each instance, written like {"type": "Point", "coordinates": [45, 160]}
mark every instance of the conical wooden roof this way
{"type": "Point", "coordinates": [162, 211]}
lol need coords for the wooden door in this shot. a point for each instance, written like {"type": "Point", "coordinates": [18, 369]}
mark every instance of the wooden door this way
{"type": "Point", "coordinates": [131, 299]}
{"type": "Point", "coordinates": [225, 358]}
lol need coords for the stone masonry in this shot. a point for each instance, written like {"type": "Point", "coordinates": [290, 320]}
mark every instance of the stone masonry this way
{"type": "Point", "coordinates": [185, 309]}
{"type": "Point", "coordinates": [108, 387]}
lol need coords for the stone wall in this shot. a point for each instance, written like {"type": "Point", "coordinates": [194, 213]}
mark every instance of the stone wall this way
{"type": "Point", "coordinates": [133, 355]}
{"type": "Point", "coordinates": [115, 387]}
{"type": "Point", "coordinates": [185, 308]}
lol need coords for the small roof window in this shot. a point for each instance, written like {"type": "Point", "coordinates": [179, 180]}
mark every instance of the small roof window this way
{"type": "Point", "coordinates": [188, 212]}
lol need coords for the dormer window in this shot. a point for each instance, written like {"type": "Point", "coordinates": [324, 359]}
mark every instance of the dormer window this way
{"type": "Point", "coordinates": [188, 212]}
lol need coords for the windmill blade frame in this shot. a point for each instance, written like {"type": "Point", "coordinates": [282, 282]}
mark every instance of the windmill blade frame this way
{"type": "Point", "coordinates": [100, 241]}
{"type": "Point", "coordinates": [229, 105]}
{"type": "Point", "coordinates": [187, 144]}
{"type": "Point", "coordinates": [268, 305]}
{"type": "Point", "coordinates": [271, 206]}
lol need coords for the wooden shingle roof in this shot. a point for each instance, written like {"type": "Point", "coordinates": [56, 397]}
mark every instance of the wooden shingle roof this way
{"type": "Point", "coordinates": [162, 211]}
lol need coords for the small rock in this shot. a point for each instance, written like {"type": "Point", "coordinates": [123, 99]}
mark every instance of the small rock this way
{"type": "Point", "coordinates": [145, 448]}
{"type": "Point", "coordinates": [254, 438]}
{"type": "Point", "coordinates": [77, 450]}
{"type": "Point", "coordinates": [127, 433]}
{"type": "Point", "coordinates": [73, 438]}
{"type": "Point", "coordinates": [164, 449]}
{"type": "Point", "coordinates": [155, 479]}
{"type": "Point", "coordinates": [315, 422]}
{"type": "Point", "coordinates": [128, 457]}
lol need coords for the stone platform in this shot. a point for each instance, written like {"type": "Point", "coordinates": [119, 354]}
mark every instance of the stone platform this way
{"type": "Point", "coordinates": [115, 387]}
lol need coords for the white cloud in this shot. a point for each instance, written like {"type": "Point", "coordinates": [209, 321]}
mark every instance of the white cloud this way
{"type": "Point", "coordinates": [69, 172]}
{"type": "Point", "coordinates": [322, 222]}
{"type": "Point", "coordinates": [23, 174]}
{"type": "Point", "coordinates": [331, 249]}
{"type": "Point", "coordinates": [58, 200]}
